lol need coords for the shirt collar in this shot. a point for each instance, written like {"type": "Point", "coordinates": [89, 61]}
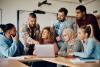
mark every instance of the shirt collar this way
{"type": "Point", "coordinates": [84, 41]}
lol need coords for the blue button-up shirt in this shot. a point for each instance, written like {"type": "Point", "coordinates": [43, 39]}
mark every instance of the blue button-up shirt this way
{"type": "Point", "coordinates": [59, 26]}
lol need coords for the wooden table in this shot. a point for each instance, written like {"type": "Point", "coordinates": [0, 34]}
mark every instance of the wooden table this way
{"type": "Point", "coordinates": [11, 63]}
{"type": "Point", "coordinates": [67, 62]}
{"type": "Point", "coordinates": [61, 61]}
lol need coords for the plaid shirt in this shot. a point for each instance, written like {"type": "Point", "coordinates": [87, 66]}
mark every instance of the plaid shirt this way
{"type": "Point", "coordinates": [29, 35]}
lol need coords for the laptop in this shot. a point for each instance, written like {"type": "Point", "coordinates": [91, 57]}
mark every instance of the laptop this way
{"type": "Point", "coordinates": [45, 51]}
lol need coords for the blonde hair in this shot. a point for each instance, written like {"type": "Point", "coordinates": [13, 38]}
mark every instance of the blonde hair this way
{"type": "Point", "coordinates": [70, 32]}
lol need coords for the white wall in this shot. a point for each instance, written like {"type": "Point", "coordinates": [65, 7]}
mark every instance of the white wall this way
{"type": "Point", "coordinates": [0, 11]}
{"type": "Point", "coordinates": [10, 8]}
{"type": "Point", "coordinates": [94, 6]}
{"type": "Point", "coordinates": [0, 3]}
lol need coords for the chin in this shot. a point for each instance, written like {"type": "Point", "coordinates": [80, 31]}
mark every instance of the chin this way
{"type": "Point", "coordinates": [66, 40]}
{"type": "Point", "coordinates": [43, 37]}
{"type": "Point", "coordinates": [59, 19]}
{"type": "Point", "coordinates": [81, 39]}
{"type": "Point", "coordinates": [31, 26]}
{"type": "Point", "coordinates": [14, 35]}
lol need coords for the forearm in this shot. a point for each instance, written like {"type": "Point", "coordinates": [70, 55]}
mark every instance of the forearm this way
{"type": "Point", "coordinates": [81, 54]}
{"type": "Point", "coordinates": [31, 41]}
{"type": "Point", "coordinates": [62, 53]}
{"type": "Point", "coordinates": [10, 51]}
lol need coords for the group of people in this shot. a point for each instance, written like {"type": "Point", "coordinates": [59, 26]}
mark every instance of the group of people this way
{"type": "Point", "coordinates": [80, 38]}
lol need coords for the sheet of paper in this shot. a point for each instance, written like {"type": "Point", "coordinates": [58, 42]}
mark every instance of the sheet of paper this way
{"type": "Point", "coordinates": [78, 60]}
{"type": "Point", "coordinates": [19, 57]}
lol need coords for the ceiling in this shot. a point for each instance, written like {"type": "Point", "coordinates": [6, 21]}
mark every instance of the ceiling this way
{"type": "Point", "coordinates": [76, 1]}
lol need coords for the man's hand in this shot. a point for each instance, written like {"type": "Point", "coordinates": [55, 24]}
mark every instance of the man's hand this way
{"type": "Point", "coordinates": [35, 42]}
{"type": "Point", "coordinates": [70, 54]}
{"type": "Point", "coordinates": [31, 41]}
{"type": "Point", "coordinates": [15, 38]}
{"type": "Point", "coordinates": [34, 52]}
{"type": "Point", "coordinates": [69, 51]}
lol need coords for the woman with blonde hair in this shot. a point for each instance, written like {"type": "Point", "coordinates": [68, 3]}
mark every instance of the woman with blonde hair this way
{"type": "Point", "coordinates": [71, 43]}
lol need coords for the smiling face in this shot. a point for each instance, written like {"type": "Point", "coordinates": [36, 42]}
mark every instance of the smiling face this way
{"type": "Point", "coordinates": [81, 34]}
{"type": "Point", "coordinates": [61, 16]}
{"type": "Point", "coordinates": [68, 34]}
{"type": "Point", "coordinates": [31, 21]}
{"type": "Point", "coordinates": [65, 36]}
{"type": "Point", "coordinates": [45, 34]}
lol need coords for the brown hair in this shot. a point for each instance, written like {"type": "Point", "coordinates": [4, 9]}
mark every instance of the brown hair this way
{"type": "Point", "coordinates": [33, 15]}
{"type": "Point", "coordinates": [63, 10]}
{"type": "Point", "coordinates": [82, 8]}
{"type": "Point", "coordinates": [87, 29]}
{"type": "Point", "coordinates": [50, 35]}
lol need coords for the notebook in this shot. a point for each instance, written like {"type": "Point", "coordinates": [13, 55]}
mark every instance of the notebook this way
{"type": "Point", "coordinates": [46, 50]}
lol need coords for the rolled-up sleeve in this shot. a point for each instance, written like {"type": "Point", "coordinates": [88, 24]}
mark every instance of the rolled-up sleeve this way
{"type": "Point", "coordinates": [88, 49]}
{"type": "Point", "coordinates": [63, 50]}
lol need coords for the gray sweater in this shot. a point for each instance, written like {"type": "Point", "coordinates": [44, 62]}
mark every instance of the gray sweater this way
{"type": "Point", "coordinates": [76, 47]}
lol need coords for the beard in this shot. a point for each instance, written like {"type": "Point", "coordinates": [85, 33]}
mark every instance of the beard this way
{"type": "Point", "coordinates": [32, 26]}
{"type": "Point", "coordinates": [78, 17]}
{"type": "Point", "coordinates": [61, 20]}
{"type": "Point", "coordinates": [13, 35]}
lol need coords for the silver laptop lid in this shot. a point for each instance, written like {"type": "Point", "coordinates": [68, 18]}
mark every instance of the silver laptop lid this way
{"type": "Point", "coordinates": [45, 50]}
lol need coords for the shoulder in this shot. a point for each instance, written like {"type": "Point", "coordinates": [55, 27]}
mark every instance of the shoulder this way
{"type": "Point", "coordinates": [55, 22]}
{"type": "Point", "coordinates": [91, 16]}
{"type": "Point", "coordinates": [2, 38]}
{"type": "Point", "coordinates": [69, 20]}
{"type": "Point", "coordinates": [78, 41]}
{"type": "Point", "coordinates": [24, 27]}
{"type": "Point", "coordinates": [65, 44]}
{"type": "Point", "coordinates": [91, 41]}
{"type": "Point", "coordinates": [37, 26]}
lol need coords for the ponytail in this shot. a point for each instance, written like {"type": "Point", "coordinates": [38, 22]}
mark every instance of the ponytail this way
{"type": "Point", "coordinates": [91, 35]}
{"type": "Point", "coordinates": [2, 26]}
{"type": "Point", "coordinates": [6, 27]}
{"type": "Point", "coordinates": [88, 30]}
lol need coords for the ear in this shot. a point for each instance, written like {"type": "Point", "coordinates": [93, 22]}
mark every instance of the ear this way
{"type": "Point", "coordinates": [86, 35]}
{"type": "Point", "coordinates": [83, 13]}
{"type": "Point", "coordinates": [8, 32]}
